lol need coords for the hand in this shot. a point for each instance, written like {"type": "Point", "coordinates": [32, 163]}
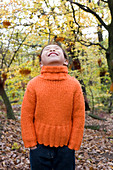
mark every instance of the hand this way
{"type": "Point", "coordinates": [34, 147]}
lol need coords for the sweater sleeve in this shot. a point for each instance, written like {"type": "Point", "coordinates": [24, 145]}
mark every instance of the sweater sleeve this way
{"type": "Point", "coordinates": [27, 117]}
{"type": "Point", "coordinates": [78, 119]}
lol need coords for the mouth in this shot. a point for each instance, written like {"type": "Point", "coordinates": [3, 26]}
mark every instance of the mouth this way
{"type": "Point", "coordinates": [52, 53]}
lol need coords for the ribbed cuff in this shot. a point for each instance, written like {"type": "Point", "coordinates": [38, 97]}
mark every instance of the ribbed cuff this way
{"type": "Point", "coordinates": [29, 144]}
{"type": "Point", "coordinates": [73, 148]}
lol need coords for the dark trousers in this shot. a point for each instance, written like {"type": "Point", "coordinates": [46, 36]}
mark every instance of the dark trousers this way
{"type": "Point", "coordinates": [52, 158]}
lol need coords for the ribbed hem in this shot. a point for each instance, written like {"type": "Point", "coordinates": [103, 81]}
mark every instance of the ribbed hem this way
{"type": "Point", "coordinates": [53, 135]}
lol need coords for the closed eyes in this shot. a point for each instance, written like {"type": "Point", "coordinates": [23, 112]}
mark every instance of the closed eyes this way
{"type": "Point", "coordinates": [54, 48]}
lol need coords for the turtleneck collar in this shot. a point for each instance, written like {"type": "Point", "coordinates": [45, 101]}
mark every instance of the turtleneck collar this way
{"type": "Point", "coordinates": [54, 72]}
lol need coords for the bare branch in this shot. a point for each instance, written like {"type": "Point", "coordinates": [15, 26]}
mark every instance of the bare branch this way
{"type": "Point", "coordinates": [46, 3]}
{"type": "Point", "coordinates": [104, 1]}
{"type": "Point", "coordinates": [9, 42]}
{"type": "Point", "coordinates": [87, 9]}
{"type": "Point", "coordinates": [31, 45]}
{"type": "Point", "coordinates": [15, 52]}
{"type": "Point", "coordinates": [83, 42]}
{"type": "Point", "coordinates": [75, 18]}
{"type": "Point", "coordinates": [87, 44]}
{"type": "Point", "coordinates": [1, 44]}
{"type": "Point", "coordinates": [4, 53]}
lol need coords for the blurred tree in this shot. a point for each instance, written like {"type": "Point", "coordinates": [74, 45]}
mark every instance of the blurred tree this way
{"type": "Point", "coordinates": [48, 19]}
{"type": "Point", "coordinates": [92, 8]}
{"type": "Point", "coordinates": [7, 57]}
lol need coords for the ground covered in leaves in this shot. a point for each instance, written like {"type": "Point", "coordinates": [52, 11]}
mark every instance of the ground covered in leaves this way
{"type": "Point", "coordinates": [96, 151]}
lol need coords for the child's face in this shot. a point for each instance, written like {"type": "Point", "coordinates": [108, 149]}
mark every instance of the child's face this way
{"type": "Point", "coordinates": [52, 55]}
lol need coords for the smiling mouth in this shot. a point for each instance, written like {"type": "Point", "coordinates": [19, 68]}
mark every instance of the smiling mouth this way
{"type": "Point", "coordinates": [52, 53]}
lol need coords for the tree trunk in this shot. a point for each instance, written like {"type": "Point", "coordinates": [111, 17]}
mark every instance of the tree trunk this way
{"type": "Point", "coordinates": [10, 114]}
{"type": "Point", "coordinates": [109, 54]}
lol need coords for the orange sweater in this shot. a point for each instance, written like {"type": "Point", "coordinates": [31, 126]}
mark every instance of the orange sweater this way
{"type": "Point", "coordinates": [53, 110]}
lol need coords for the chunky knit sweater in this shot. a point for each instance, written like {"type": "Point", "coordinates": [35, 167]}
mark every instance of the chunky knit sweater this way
{"type": "Point", "coordinates": [53, 110]}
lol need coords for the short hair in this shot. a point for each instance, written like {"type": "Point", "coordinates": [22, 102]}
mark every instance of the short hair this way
{"type": "Point", "coordinates": [55, 43]}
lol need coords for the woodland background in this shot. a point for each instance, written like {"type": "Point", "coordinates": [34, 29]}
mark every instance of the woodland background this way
{"type": "Point", "coordinates": [85, 30]}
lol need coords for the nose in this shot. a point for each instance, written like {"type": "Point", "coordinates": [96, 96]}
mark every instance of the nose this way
{"type": "Point", "coordinates": [52, 49]}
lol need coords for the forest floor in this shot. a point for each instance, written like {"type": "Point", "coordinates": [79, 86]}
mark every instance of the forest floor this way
{"type": "Point", "coordinates": [96, 152]}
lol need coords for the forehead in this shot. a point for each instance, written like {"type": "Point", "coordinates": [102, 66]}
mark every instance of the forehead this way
{"type": "Point", "coordinates": [51, 46]}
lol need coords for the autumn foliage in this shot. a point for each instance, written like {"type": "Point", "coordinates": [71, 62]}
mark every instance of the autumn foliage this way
{"type": "Point", "coordinates": [6, 24]}
{"type": "Point", "coordinates": [24, 71]}
{"type": "Point", "coordinates": [111, 87]}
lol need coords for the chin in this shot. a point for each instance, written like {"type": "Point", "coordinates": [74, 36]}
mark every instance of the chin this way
{"type": "Point", "coordinates": [55, 64]}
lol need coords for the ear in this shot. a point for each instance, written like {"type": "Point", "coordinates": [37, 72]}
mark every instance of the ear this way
{"type": "Point", "coordinates": [66, 62]}
{"type": "Point", "coordinates": [40, 63]}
